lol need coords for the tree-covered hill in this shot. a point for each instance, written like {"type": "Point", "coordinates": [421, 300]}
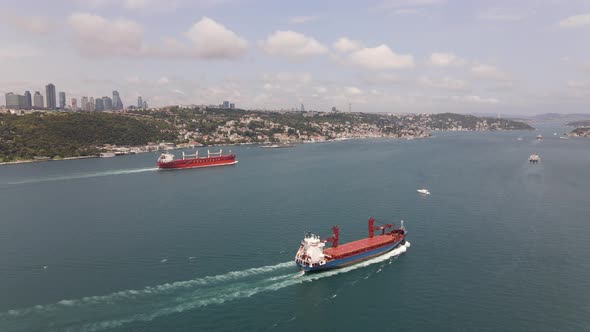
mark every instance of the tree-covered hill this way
{"type": "Point", "coordinates": [74, 134]}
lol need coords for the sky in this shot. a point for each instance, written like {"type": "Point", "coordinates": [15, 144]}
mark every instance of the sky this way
{"type": "Point", "coordinates": [498, 57]}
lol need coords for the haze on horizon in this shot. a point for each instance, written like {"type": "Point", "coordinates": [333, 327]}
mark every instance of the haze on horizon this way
{"type": "Point", "coordinates": [507, 57]}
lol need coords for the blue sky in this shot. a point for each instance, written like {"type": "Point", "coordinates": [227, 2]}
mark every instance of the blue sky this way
{"type": "Point", "coordinates": [507, 57]}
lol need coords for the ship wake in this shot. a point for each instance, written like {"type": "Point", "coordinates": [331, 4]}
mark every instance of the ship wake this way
{"type": "Point", "coordinates": [83, 176]}
{"type": "Point", "coordinates": [97, 313]}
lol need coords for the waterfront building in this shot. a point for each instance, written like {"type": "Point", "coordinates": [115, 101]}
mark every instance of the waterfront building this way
{"type": "Point", "coordinates": [225, 104]}
{"type": "Point", "coordinates": [50, 95]}
{"type": "Point", "coordinates": [117, 103]}
{"type": "Point", "coordinates": [62, 100]}
{"type": "Point", "coordinates": [28, 100]}
{"type": "Point", "coordinates": [38, 100]}
{"type": "Point", "coordinates": [107, 103]}
{"type": "Point", "coordinates": [99, 104]}
{"type": "Point", "coordinates": [139, 102]}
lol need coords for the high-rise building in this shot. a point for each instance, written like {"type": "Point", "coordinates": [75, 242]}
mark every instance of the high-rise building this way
{"type": "Point", "coordinates": [91, 105]}
{"type": "Point", "coordinates": [74, 104]}
{"type": "Point", "coordinates": [38, 100]}
{"type": "Point", "coordinates": [225, 104]}
{"type": "Point", "coordinates": [99, 104]}
{"type": "Point", "coordinates": [28, 100]}
{"type": "Point", "coordinates": [50, 95]}
{"type": "Point", "coordinates": [117, 103]}
{"type": "Point", "coordinates": [84, 104]}
{"type": "Point", "coordinates": [302, 108]}
{"type": "Point", "coordinates": [145, 105]}
{"type": "Point", "coordinates": [14, 101]}
{"type": "Point", "coordinates": [62, 100]}
{"type": "Point", "coordinates": [108, 103]}
{"type": "Point", "coordinates": [139, 102]}
{"type": "Point", "coordinates": [232, 106]}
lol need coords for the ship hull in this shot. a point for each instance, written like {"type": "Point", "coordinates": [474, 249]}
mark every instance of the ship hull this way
{"type": "Point", "coordinates": [352, 259]}
{"type": "Point", "coordinates": [198, 162]}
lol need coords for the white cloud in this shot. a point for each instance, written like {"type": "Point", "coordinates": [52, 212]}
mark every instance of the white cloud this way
{"type": "Point", "coordinates": [502, 14]}
{"type": "Point", "coordinates": [163, 80]}
{"type": "Point", "coordinates": [446, 83]}
{"type": "Point", "coordinates": [343, 44]}
{"type": "Point", "coordinates": [292, 44]}
{"type": "Point", "coordinates": [97, 36]}
{"type": "Point", "coordinates": [380, 57]}
{"type": "Point", "coordinates": [15, 52]}
{"type": "Point", "coordinates": [575, 21]}
{"type": "Point", "coordinates": [302, 19]}
{"type": "Point", "coordinates": [353, 90]}
{"type": "Point", "coordinates": [213, 40]}
{"type": "Point", "coordinates": [288, 78]}
{"type": "Point", "coordinates": [475, 99]}
{"type": "Point", "coordinates": [445, 59]}
{"type": "Point", "coordinates": [408, 3]}
{"type": "Point", "coordinates": [488, 72]}
{"type": "Point", "coordinates": [32, 24]}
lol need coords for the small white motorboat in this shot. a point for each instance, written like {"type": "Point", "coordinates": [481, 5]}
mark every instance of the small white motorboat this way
{"type": "Point", "coordinates": [423, 191]}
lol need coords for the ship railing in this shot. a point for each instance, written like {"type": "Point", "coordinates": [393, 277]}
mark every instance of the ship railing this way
{"type": "Point", "coordinates": [184, 155]}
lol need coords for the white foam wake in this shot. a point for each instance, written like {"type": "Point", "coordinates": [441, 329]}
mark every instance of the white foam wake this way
{"type": "Point", "coordinates": [121, 308]}
{"type": "Point", "coordinates": [83, 176]}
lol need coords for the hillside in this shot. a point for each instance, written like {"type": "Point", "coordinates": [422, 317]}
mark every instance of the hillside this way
{"type": "Point", "coordinates": [61, 134]}
{"type": "Point", "coordinates": [73, 134]}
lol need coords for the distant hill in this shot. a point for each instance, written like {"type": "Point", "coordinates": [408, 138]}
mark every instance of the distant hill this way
{"type": "Point", "coordinates": [66, 134]}
{"type": "Point", "coordinates": [581, 123]}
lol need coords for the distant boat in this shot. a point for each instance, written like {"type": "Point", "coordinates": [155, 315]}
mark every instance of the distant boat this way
{"type": "Point", "coordinates": [107, 155]}
{"type": "Point", "coordinates": [564, 137]}
{"type": "Point", "coordinates": [534, 158]}
{"type": "Point", "coordinates": [539, 136]}
{"type": "Point", "coordinates": [554, 134]}
{"type": "Point", "coordinates": [519, 139]}
{"type": "Point", "coordinates": [277, 146]}
{"type": "Point", "coordinates": [423, 191]}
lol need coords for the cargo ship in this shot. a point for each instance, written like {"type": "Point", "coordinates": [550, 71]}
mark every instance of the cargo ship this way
{"type": "Point", "coordinates": [312, 256]}
{"type": "Point", "coordinates": [167, 161]}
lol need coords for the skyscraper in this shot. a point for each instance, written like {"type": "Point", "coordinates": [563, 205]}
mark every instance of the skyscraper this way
{"type": "Point", "coordinates": [139, 102]}
{"type": "Point", "coordinates": [84, 104]}
{"type": "Point", "coordinates": [50, 95]}
{"type": "Point", "coordinates": [28, 100]}
{"type": "Point", "coordinates": [62, 100]}
{"type": "Point", "coordinates": [14, 101]}
{"type": "Point", "coordinates": [232, 106]}
{"type": "Point", "coordinates": [107, 103]}
{"type": "Point", "coordinates": [225, 104]}
{"type": "Point", "coordinates": [38, 100]}
{"type": "Point", "coordinates": [91, 105]}
{"type": "Point", "coordinates": [117, 103]}
{"type": "Point", "coordinates": [74, 104]}
{"type": "Point", "coordinates": [145, 105]}
{"type": "Point", "coordinates": [99, 105]}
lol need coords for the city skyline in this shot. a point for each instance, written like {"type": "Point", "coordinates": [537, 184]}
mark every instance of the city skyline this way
{"type": "Point", "coordinates": [383, 55]}
{"type": "Point", "coordinates": [14, 100]}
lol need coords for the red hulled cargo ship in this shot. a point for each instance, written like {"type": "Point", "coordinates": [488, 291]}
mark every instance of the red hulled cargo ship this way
{"type": "Point", "coordinates": [167, 161]}
{"type": "Point", "coordinates": [312, 256]}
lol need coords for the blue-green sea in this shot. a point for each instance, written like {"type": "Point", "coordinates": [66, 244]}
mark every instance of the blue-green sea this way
{"type": "Point", "coordinates": [112, 244]}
